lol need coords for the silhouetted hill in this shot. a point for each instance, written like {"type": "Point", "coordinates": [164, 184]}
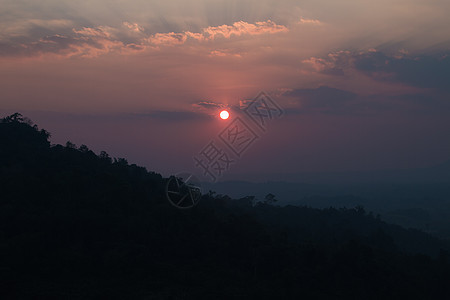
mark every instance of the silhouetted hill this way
{"type": "Point", "coordinates": [74, 224]}
{"type": "Point", "coordinates": [396, 202]}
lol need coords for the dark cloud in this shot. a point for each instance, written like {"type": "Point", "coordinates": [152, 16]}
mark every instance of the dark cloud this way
{"type": "Point", "coordinates": [323, 99]}
{"type": "Point", "coordinates": [211, 108]}
{"type": "Point", "coordinates": [422, 71]}
{"type": "Point", "coordinates": [167, 115]}
{"type": "Point", "coordinates": [6, 49]}
{"type": "Point", "coordinates": [322, 95]}
{"type": "Point", "coordinates": [427, 71]}
{"type": "Point", "coordinates": [327, 100]}
{"type": "Point", "coordinates": [59, 44]}
{"type": "Point", "coordinates": [208, 105]}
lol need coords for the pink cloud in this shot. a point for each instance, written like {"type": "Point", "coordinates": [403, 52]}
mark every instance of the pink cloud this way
{"type": "Point", "coordinates": [213, 32]}
{"type": "Point", "coordinates": [95, 41]}
{"type": "Point", "coordinates": [309, 21]}
{"type": "Point", "coordinates": [101, 47]}
{"type": "Point", "coordinates": [133, 27]}
{"type": "Point", "coordinates": [332, 61]}
{"type": "Point", "coordinates": [100, 31]}
{"type": "Point", "coordinates": [244, 28]}
{"type": "Point", "coordinates": [224, 53]}
{"type": "Point", "coordinates": [170, 38]}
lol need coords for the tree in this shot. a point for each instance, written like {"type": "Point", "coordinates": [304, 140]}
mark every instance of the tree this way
{"type": "Point", "coordinates": [121, 161]}
{"type": "Point", "coordinates": [16, 117]}
{"type": "Point", "coordinates": [270, 199]}
{"type": "Point", "coordinates": [83, 148]}
{"type": "Point", "coordinates": [70, 145]}
{"type": "Point", "coordinates": [105, 156]}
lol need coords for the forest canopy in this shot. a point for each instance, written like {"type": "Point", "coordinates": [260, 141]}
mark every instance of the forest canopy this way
{"type": "Point", "coordinates": [82, 225]}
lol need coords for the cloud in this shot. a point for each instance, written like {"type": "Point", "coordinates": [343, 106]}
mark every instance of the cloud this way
{"type": "Point", "coordinates": [309, 21]}
{"type": "Point", "coordinates": [420, 71]}
{"type": "Point", "coordinates": [131, 37]}
{"type": "Point", "coordinates": [170, 38]}
{"type": "Point", "coordinates": [212, 108]}
{"type": "Point", "coordinates": [61, 45]}
{"type": "Point", "coordinates": [133, 27]}
{"type": "Point", "coordinates": [426, 71]}
{"type": "Point", "coordinates": [101, 31]}
{"type": "Point", "coordinates": [328, 100]}
{"type": "Point", "coordinates": [323, 99]}
{"type": "Point", "coordinates": [24, 28]}
{"type": "Point", "coordinates": [210, 33]}
{"type": "Point", "coordinates": [243, 28]}
{"type": "Point", "coordinates": [84, 42]}
{"type": "Point", "coordinates": [208, 105]}
{"type": "Point", "coordinates": [224, 53]}
{"type": "Point", "coordinates": [172, 115]}
{"type": "Point", "coordinates": [333, 64]}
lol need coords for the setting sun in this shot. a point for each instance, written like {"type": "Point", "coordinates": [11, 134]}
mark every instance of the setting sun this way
{"type": "Point", "coordinates": [224, 114]}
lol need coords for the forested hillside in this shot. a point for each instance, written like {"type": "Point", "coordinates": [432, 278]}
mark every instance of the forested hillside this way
{"type": "Point", "coordinates": [75, 224]}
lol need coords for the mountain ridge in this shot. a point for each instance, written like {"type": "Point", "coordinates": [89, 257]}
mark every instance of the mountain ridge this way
{"type": "Point", "coordinates": [81, 225]}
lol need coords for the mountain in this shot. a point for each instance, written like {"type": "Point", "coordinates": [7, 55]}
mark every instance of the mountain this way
{"type": "Point", "coordinates": [434, 174]}
{"type": "Point", "coordinates": [74, 224]}
{"type": "Point", "coordinates": [398, 203]}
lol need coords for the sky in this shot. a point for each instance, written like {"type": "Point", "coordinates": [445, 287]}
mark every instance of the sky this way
{"type": "Point", "coordinates": [363, 85]}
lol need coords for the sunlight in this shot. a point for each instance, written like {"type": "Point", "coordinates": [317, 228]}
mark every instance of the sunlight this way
{"type": "Point", "coordinates": [224, 114]}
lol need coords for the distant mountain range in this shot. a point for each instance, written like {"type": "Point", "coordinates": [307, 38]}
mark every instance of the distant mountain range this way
{"type": "Point", "coordinates": [417, 198]}
{"type": "Point", "coordinates": [435, 174]}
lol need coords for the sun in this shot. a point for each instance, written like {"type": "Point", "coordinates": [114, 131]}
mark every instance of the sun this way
{"type": "Point", "coordinates": [224, 114]}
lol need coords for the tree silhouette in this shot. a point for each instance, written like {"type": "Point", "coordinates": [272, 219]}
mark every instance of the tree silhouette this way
{"type": "Point", "coordinates": [270, 199]}
{"type": "Point", "coordinates": [74, 224]}
{"type": "Point", "coordinates": [14, 118]}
